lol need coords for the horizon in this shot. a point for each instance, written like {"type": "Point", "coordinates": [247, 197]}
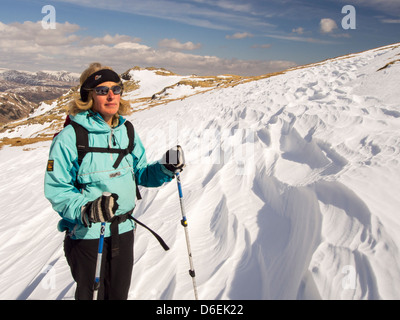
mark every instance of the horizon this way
{"type": "Point", "coordinates": [162, 68]}
{"type": "Point", "coordinates": [200, 37]}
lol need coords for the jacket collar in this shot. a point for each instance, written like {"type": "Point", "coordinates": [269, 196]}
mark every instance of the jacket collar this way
{"type": "Point", "coordinates": [94, 122]}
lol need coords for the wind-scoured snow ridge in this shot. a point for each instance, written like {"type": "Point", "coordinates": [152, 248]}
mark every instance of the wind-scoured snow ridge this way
{"type": "Point", "coordinates": [291, 192]}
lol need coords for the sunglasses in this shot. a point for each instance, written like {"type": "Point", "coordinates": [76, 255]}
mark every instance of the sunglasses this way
{"type": "Point", "coordinates": [103, 90]}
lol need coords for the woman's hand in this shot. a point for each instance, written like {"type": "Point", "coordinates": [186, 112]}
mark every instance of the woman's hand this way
{"type": "Point", "coordinates": [100, 210]}
{"type": "Point", "coordinates": [174, 159]}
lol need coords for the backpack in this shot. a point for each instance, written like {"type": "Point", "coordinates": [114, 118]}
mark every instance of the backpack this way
{"type": "Point", "coordinates": [82, 145]}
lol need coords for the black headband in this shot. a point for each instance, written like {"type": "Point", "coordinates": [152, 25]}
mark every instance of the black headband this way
{"type": "Point", "coordinates": [95, 79]}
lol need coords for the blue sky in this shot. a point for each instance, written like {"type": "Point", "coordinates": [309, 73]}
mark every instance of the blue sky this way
{"type": "Point", "coordinates": [204, 37]}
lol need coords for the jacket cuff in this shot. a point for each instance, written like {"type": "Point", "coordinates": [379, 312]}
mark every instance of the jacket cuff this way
{"type": "Point", "coordinates": [166, 171]}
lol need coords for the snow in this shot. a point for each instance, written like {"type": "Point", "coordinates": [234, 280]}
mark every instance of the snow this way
{"type": "Point", "coordinates": [43, 108]}
{"type": "Point", "coordinates": [150, 83]}
{"type": "Point", "coordinates": [291, 192]}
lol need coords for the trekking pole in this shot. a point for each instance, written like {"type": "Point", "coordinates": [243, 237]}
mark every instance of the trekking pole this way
{"type": "Point", "coordinates": [185, 225]}
{"type": "Point", "coordinates": [96, 284]}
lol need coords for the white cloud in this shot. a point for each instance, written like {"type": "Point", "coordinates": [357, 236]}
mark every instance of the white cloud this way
{"type": "Point", "coordinates": [131, 46]}
{"type": "Point", "coordinates": [328, 25]}
{"type": "Point", "coordinates": [239, 35]}
{"type": "Point", "coordinates": [394, 21]}
{"type": "Point", "coordinates": [33, 31]}
{"type": "Point", "coordinates": [298, 38]}
{"type": "Point", "coordinates": [174, 44]}
{"type": "Point", "coordinates": [109, 39]}
{"type": "Point", "coordinates": [298, 30]}
{"type": "Point", "coordinates": [27, 46]}
{"type": "Point", "coordinates": [262, 46]}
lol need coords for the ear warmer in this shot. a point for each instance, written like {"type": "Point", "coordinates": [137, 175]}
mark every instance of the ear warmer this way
{"type": "Point", "coordinates": [97, 78]}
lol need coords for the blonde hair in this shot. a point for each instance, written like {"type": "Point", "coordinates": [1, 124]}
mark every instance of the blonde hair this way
{"type": "Point", "coordinates": [77, 105]}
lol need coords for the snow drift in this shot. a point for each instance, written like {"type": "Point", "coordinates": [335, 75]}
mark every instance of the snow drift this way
{"type": "Point", "coordinates": [291, 192]}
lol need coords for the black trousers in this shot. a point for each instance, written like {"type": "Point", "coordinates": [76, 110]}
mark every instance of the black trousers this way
{"type": "Point", "coordinates": [116, 272]}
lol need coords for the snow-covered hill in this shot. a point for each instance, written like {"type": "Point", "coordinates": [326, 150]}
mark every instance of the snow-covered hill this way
{"type": "Point", "coordinates": [13, 107]}
{"type": "Point", "coordinates": [291, 192]}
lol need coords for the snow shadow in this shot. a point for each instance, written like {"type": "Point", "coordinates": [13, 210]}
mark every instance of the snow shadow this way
{"type": "Point", "coordinates": [276, 263]}
{"type": "Point", "coordinates": [36, 282]}
{"type": "Point", "coordinates": [337, 194]}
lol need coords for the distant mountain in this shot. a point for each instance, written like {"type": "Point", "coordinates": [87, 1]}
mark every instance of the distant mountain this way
{"type": "Point", "coordinates": [31, 88]}
{"type": "Point", "coordinates": [14, 107]}
{"type": "Point", "coordinates": [40, 78]}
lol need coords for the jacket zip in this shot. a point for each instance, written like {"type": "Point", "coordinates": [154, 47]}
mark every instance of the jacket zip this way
{"type": "Point", "coordinates": [111, 140]}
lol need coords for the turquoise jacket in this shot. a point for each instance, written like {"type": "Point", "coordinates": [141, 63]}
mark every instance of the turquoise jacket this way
{"type": "Point", "coordinates": [96, 174]}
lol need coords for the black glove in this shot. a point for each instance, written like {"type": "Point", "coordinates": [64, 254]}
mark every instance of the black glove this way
{"type": "Point", "coordinates": [100, 210]}
{"type": "Point", "coordinates": [174, 160]}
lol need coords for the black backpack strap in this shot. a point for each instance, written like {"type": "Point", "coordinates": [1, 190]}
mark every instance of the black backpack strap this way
{"type": "Point", "coordinates": [82, 145]}
{"type": "Point", "coordinates": [116, 220]}
{"type": "Point", "coordinates": [122, 154]}
{"type": "Point", "coordinates": [82, 140]}
{"type": "Point", "coordinates": [160, 240]}
{"type": "Point", "coordinates": [131, 134]}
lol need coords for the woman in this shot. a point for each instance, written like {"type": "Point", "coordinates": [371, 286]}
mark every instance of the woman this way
{"type": "Point", "coordinates": [99, 188]}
